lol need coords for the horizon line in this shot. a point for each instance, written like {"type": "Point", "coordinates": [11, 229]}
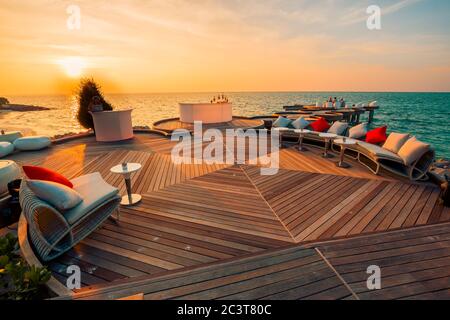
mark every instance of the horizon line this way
{"type": "Point", "coordinates": [222, 92]}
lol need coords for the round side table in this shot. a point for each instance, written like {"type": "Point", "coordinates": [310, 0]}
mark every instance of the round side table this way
{"type": "Point", "coordinates": [327, 137]}
{"type": "Point", "coordinates": [344, 143]}
{"type": "Point", "coordinates": [130, 199]}
{"type": "Point", "coordinates": [301, 136]}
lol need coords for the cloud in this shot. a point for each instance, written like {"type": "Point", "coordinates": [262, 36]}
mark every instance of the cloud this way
{"type": "Point", "coordinates": [358, 14]}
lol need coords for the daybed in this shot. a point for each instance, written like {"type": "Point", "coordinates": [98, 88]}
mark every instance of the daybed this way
{"type": "Point", "coordinates": [53, 232]}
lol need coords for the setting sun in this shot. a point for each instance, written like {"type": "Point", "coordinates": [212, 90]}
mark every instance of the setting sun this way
{"type": "Point", "coordinates": [73, 66]}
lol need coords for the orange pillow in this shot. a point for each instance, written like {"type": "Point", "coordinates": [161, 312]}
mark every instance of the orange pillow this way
{"type": "Point", "coordinates": [320, 125]}
{"type": "Point", "coordinates": [377, 136]}
{"type": "Point", "coordinates": [39, 173]}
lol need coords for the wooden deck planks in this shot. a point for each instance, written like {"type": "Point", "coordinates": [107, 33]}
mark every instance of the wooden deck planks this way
{"type": "Point", "coordinates": [317, 206]}
{"type": "Point", "coordinates": [225, 199]}
{"type": "Point", "coordinates": [197, 214]}
{"type": "Point", "coordinates": [414, 263]}
{"type": "Point", "coordinates": [296, 272]}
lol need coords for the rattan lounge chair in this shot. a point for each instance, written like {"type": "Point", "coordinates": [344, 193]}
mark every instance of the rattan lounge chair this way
{"type": "Point", "coordinates": [51, 232]}
{"type": "Point", "coordinates": [375, 157]}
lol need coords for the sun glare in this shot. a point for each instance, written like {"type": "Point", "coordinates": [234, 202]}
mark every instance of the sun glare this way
{"type": "Point", "coordinates": [73, 66]}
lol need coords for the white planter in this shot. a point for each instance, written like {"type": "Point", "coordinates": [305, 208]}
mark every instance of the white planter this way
{"type": "Point", "coordinates": [113, 125]}
{"type": "Point", "coordinates": [206, 112]}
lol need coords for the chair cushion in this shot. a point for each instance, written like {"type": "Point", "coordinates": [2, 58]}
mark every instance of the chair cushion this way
{"type": "Point", "coordinates": [412, 150]}
{"type": "Point", "coordinates": [39, 173]}
{"type": "Point", "coordinates": [395, 141]}
{"type": "Point", "coordinates": [10, 136]}
{"type": "Point", "coordinates": [300, 123]}
{"type": "Point", "coordinates": [320, 125]}
{"type": "Point", "coordinates": [94, 191]}
{"type": "Point", "coordinates": [338, 128]}
{"type": "Point", "coordinates": [357, 132]}
{"type": "Point", "coordinates": [282, 122]}
{"type": "Point", "coordinates": [377, 136]}
{"type": "Point", "coordinates": [373, 104]}
{"type": "Point", "coordinates": [379, 151]}
{"type": "Point", "coordinates": [32, 143]}
{"type": "Point", "coordinates": [6, 148]}
{"type": "Point", "coordinates": [58, 195]}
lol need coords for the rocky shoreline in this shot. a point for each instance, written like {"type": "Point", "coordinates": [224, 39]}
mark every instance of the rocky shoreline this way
{"type": "Point", "coordinates": [22, 107]}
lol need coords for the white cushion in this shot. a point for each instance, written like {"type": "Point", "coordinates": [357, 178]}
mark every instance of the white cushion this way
{"type": "Point", "coordinates": [379, 151]}
{"type": "Point", "coordinates": [10, 136]}
{"type": "Point", "coordinates": [282, 122]}
{"type": "Point", "coordinates": [300, 123]}
{"type": "Point", "coordinates": [6, 148]}
{"type": "Point", "coordinates": [412, 150]}
{"type": "Point", "coordinates": [94, 191]}
{"type": "Point", "coordinates": [359, 105]}
{"type": "Point", "coordinates": [373, 104]}
{"type": "Point", "coordinates": [58, 195]}
{"type": "Point", "coordinates": [358, 131]}
{"type": "Point", "coordinates": [395, 141]}
{"type": "Point", "coordinates": [338, 128]}
{"type": "Point", "coordinates": [32, 143]}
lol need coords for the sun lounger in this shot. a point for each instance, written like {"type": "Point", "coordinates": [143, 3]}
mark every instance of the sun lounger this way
{"type": "Point", "coordinates": [51, 232]}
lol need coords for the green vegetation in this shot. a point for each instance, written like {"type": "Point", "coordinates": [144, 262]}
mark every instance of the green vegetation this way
{"type": "Point", "coordinates": [89, 89]}
{"type": "Point", "coordinates": [19, 281]}
{"type": "Point", "coordinates": [3, 101]}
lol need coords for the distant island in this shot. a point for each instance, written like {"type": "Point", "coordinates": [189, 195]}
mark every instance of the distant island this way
{"type": "Point", "coordinates": [6, 105]}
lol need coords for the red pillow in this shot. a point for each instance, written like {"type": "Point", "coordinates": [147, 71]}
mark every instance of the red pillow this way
{"type": "Point", "coordinates": [377, 136]}
{"type": "Point", "coordinates": [320, 125]}
{"type": "Point", "coordinates": [39, 173]}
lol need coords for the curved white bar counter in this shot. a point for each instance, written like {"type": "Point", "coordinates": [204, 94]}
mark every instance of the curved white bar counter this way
{"type": "Point", "coordinates": [113, 125]}
{"type": "Point", "coordinates": [206, 112]}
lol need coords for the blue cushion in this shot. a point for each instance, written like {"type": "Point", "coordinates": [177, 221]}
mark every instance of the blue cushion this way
{"type": "Point", "coordinates": [94, 191]}
{"type": "Point", "coordinates": [300, 123]}
{"type": "Point", "coordinates": [282, 122]}
{"type": "Point", "coordinates": [58, 195]}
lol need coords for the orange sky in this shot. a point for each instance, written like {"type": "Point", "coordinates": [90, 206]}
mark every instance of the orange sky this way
{"type": "Point", "coordinates": [201, 45]}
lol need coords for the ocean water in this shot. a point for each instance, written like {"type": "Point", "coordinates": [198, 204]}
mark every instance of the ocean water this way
{"type": "Point", "coordinates": [425, 115]}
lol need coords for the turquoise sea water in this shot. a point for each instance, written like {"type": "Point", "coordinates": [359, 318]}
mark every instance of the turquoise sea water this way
{"type": "Point", "coordinates": [425, 115]}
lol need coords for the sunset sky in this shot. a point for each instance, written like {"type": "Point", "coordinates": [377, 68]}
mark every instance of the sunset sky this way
{"type": "Point", "coordinates": [140, 46]}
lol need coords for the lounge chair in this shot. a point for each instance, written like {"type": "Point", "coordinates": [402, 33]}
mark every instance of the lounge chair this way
{"type": "Point", "coordinates": [375, 157]}
{"type": "Point", "coordinates": [51, 232]}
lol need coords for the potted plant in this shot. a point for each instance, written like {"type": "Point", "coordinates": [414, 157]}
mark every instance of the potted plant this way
{"type": "Point", "coordinates": [88, 91]}
{"type": "Point", "coordinates": [18, 280]}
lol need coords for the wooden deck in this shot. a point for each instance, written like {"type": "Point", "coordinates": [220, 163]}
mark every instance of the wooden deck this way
{"type": "Point", "coordinates": [413, 264]}
{"type": "Point", "coordinates": [170, 125]}
{"type": "Point", "coordinates": [209, 216]}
